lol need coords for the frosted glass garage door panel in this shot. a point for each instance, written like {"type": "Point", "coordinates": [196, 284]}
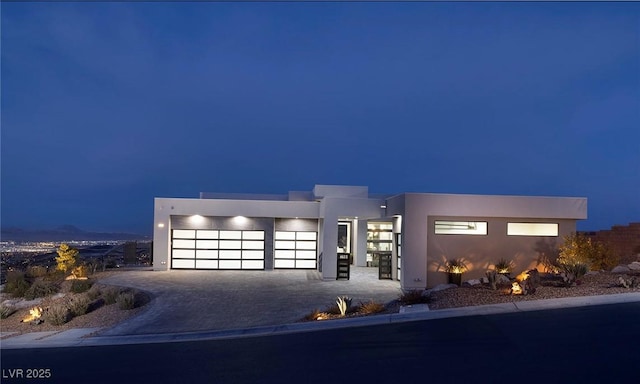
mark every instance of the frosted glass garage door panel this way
{"type": "Point", "coordinates": [254, 255]}
{"type": "Point", "coordinates": [280, 235]}
{"type": "Point", "coordinates": [230, 244]}
{"type": "Point", "coordinates": [188, 264]}
{"type": "Point", "coordinates": [229, 264]}
{"type": "Point", "coordinates": [207, 264]}
{"type": "Point", "coordinates": [252, 264]}
{"type": "Point", "coordinates": [231, 235]}
{"type": "Point", "coordinates": [229, 254]}
{"type": "Point", "coordinates": [285, 254]}
{"type": "Point", "coordinates": [184, 243]}
{"type": "Point", "coordinates": [206, 254]}
{"type": "Point", "coordinates": [253, 235]}
{"type": "Point", "coordinates": [306, 255]}
{"type": "Point", "coordinates": [183, 253]}
{"type": "Point", "coordinates": [252, 244]}
{"type": "Point", "coordinates": [284, 263]}
{"type": "Point", "coordinates": [207, 244]}
{"type": "Point", "coordinates": [184, 234]}
{"type": "Point", "coordinates": [306, 235]}
{"type": "Point", "coordinates": [205, 234]}
{"type": "Point", "coordinates": [281, 244]}
{"type": "Point", "coordinates": [305, 245]}
{"type": "Point", "coordinates": [305, 264]}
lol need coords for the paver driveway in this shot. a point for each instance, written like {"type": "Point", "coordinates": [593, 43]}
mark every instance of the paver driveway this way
{"type": "Point", "coordinates": [185, 301]}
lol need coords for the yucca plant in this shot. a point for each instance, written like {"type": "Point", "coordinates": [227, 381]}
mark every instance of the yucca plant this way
{"type": "Point", "coordinates": [344, 303]}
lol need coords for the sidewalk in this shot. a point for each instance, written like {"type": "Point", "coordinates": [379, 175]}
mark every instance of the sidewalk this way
{"type": "Point", "coordinates": [81, 337]}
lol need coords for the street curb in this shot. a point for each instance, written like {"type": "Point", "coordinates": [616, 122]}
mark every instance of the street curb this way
{"type": "Point", "coordinates": [481, 310]}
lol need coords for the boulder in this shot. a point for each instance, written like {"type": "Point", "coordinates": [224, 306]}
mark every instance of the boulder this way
{"type": "Point", "coordinates": [484, 280]}
{"type": "Point", "coordinates": [635, 266]}
{"type": "Point", "coordinates": [502, 279]}
{"type": "Point", "coordinates": [621, 269]}
{"type": "Point", "coordinates": [472, 282]}
{"type": "Point", "coordinates": [442, 287]}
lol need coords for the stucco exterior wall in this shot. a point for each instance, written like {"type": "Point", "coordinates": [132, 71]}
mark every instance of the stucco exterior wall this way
{"type": "Point", "coordinates": [481, 252]}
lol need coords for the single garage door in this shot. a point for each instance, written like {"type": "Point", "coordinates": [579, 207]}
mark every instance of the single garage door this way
{"type": "Point", "coordinates": [295, 249]}
{"type": "Point", "coordinates": [217, 249]}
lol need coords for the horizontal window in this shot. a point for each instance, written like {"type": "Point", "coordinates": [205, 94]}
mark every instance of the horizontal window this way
{"type": "Point", "coordinates": [443, 227]}
{"type": "Point", "coordinates": [231, 235]}
{"type": "Point", "coordinates": [255, 255]}
{"type": "Point", "coordinates": [532, 229]}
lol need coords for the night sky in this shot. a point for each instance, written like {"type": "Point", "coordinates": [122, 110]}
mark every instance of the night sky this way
{"type": "Point", "coordinates": [108, 105]}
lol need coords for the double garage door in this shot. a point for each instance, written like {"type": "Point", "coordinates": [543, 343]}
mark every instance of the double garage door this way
{"type": "Point", "coordinates": [217, 249]}
{"type": "Point", "coordinates": [229, 249]}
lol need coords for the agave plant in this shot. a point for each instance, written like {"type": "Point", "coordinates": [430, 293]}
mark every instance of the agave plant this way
{"type": "Point", "coordinates": [456, 266]}
{"type": "Point", "coordinates": [503, 266]}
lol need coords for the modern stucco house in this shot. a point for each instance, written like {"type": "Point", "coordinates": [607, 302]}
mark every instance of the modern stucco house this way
{"type": "Point", "coordinates": [408, 236]}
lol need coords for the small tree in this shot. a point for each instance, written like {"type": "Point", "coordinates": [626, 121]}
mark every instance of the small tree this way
{"type": "Point", "coordinates": [66, 258]}
{"type": "Point", "coordinates": [580, 249]}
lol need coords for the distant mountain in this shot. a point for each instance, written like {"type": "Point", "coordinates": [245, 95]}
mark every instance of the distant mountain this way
{"type": "Point", "coordinates": [64, 233]}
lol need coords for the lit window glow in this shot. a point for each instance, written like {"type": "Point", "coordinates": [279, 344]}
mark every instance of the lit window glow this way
{"type": "Point", "coordinates": [532, 229]}
{"type": "Point", "coordinates": [444, 227]}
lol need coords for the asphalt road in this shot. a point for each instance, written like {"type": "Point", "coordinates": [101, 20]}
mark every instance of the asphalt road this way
{"type": "Point", "coordinates": [598, 344]}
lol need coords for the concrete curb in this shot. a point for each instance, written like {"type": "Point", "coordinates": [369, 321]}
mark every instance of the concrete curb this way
{"type": "Point", "coordinates": [77, 337]}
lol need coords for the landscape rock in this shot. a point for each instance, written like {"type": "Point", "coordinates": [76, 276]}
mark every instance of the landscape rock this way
{"type": "Point", "coordinates": [442, 287]}
{"type": "Point", "coordinates": [635, 266]}
{"type": "Point", "coordinates": [502, 279]}
{"type": "Point", "coordinates": [484, 280]}
{"type": "Point", "coordinates": [621, 269]}
{"type": "Point", "coordinates": [472, 282]}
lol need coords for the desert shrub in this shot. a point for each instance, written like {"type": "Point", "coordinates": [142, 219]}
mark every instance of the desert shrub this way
{"type": "Point", "coordinates": [79, 304]}
{"type": "Point", "coordinates": [126, 300]}
{"type": "Point", "coordinates": [80, 286]}
{"type": "Point", "coordinates": [110, 295]}
{"type": "Point", "coordinates": [16, 284]}
{"type": "Point", "coordinates": [41, 288]}
{"type": "Point", "coordinates": [371, 307]}
{"type": "Point", "coordinates": [57, 314]}
{"type": "Point", "coordinates": [413, 297]}
{"type": "Point", "coordinates": [580, 249]}
{"type": "Point", "coordinates": [6, 310]}
{"type": "Point", "coordinates": [603, 258]}
{"type": "Point", "coordinates": [316, 314]}
{"type": "Point", "coordinates": [55, 275]}
{"type": "Point", "coordinates": [503, 266]}
{"type": "Point", "coordinates": [80, 271]}
{"type": "Point", "coordinates": [93, 293]}
{"type": "Point", "coordinates": [573, 272]}
{"type": "Point", "coordinates": [36, 271]}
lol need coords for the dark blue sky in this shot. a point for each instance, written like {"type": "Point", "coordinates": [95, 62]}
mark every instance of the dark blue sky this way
{"type": "Point", "coordinates": [108, 105]}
